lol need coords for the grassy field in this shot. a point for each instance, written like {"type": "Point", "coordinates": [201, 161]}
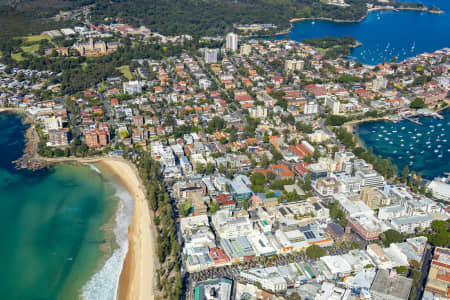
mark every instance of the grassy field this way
{"type": "Point", "coordinates": [36, 38]}
{"type": "Point", "coordinates": [31, 49]}
{"type": "Point", "coordinates": [126, 72]}
{"type": "Point", "coordinates": [30, 44]}
{"type": "Point", "coordinates": [17, 56]}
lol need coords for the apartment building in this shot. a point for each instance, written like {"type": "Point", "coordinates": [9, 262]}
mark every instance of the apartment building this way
{"type": "Point", "coordinates": [371, 178]}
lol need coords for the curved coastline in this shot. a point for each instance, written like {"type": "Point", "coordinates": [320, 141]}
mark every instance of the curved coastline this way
{"type": "Point", "coordinates": [434, 166]}
{"type": "Point", "coordinates": [103, 283]}
{"type": "Point", "coordinates": [28, 159]}
{"type": "Point", "coordinates": [369, 10]}
{"type": "Point", "coordinates": [391, 8]}
{"type": "Point", "coordinates": [74, 232]}
{"type": "Point", "coordinates": [294, 20]}
{"type": "Point", "coordinates": [138, 267]}
{"type": "Point", "coordinates": [350, 126]}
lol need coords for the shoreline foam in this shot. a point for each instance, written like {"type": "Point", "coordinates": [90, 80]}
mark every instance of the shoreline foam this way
{"type": "Point", "coordinates": [137, 272]}
{"type": "Point", "coordinates": [99, 286]}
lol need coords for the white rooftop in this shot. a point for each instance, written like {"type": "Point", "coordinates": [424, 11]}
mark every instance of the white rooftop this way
{"type": "Point", "coordinates": [336, 264]}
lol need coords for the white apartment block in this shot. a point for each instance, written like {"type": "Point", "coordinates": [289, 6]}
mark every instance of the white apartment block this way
{"type": "Point", "coordinates": [231, 41]}
{"type": "Point", "coordinates": [370, 177]}
{"type": "Point", "coordinates": [211, 56]}
{"type": "Point", "coordinates": [311, 108]}
{"type": "Point", "coordinates": [259, 112]}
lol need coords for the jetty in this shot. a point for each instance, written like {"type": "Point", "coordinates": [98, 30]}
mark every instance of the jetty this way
{"type": "Point", "coordinates": [429, 113]}
{"type": "Point", "coordinates": [436, 116]}
{"type": "Point", "coordinates": [413, 120]}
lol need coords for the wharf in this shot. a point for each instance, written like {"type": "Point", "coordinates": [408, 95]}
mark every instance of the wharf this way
{"type": "Point", "coordinates": [415, 121]}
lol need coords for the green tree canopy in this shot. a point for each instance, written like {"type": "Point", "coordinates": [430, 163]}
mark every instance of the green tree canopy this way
{"type": "Point", "coordinates": [258, 178]}
{"type": "Point", "coordinates": [417, 103]}
{"type": "Point", "coordinates": [315, 251]}
{"type": "Point", "coordinates": [391, 236]}
{"type": "Point", "coordinates": [441, 233]}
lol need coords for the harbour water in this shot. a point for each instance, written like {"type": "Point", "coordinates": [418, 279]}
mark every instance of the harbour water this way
{"type": "Point", "coordinates": [385, 34]}
{"type": "Point", "coordinates": [58, 230]}
{"type": "Point", "coordinates": [423, 148]}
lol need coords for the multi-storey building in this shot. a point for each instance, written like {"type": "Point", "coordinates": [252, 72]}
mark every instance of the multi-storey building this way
{"type": "Point", "coordinates": [373, 197]}
{"type": "Point", "coordinates": [409, 224]}
{"type": "Point", "coordinates": [311, 108]}
{"type": "Point", "coordinates": [186, 166]}
{"type": "Point", "coordinates": [371, 178]}
{"type": "Point", "coordinates": [58, 137]}
{"type": "Point", "coordinates": [327, 186]}
{"type": "Point", "coordinates": [210, 56]}
{"type": "Point", "coordinates": [133, 87]}
{"type": "Point", "coordinates": [97, 137]}
{"type": "Point", "coordinates": [53, 123]}
{"type": "Point", "coordinates": [228, 226]}
{"type": "Point", "coordinates": [231, 41]}
{"type": "Point", "coordinates": [366, 226]}
{"type": "Point", "coordinates": [292, 65]}
{"type": "Point", "coordinates": [333, 103]}
{"type": "Point", "coordinates": [438, 282]}
{"type": "Point", "coordinates": [259, 112]}
{"type": "Point", "coordinates": [94, 48]}
{"type": "Point", "coordinates": [246, 49]}
{"type": "Point", "coordinates": [185, 190]}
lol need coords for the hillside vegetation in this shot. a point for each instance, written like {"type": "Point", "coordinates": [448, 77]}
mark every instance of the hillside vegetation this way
{"type": "Point", "coordinates": [173, 17]}
{"type": "Point", "coordinates": [218, 16]}
{"type": "Point", "coordinates": [20, 17]}
{"type": "Point", "coordinates": [197, 17]}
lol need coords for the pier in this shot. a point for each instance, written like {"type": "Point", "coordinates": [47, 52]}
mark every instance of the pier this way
{"type": "Point", "coordinates": [432, 114]}
{"type": "Point", "coordinates": [437, 116]}
{"type": "Point", "coordinates": [415, 121]}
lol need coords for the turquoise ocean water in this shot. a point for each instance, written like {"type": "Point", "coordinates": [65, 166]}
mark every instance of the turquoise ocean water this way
{"type": "Point", "coordinates": [385, 34]}
{"type": "Point", "coordinates": [50, 225]}
{"type": "Point", "coordinates": [424, 148]}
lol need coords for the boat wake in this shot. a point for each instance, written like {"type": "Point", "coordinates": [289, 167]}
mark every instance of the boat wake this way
{"type": "Point", "coordinates": [105, 283]}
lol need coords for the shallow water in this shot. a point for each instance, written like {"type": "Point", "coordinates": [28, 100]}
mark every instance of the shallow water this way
{"type": "Point", "coordinates": [50, 223]}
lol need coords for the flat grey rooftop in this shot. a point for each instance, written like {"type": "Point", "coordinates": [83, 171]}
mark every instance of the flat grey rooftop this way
{"type": "Point", "coordinates": [390, 287]}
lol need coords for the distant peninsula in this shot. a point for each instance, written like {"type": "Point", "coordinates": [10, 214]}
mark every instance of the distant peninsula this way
{"type": "Point", "coordinates": [199, 18]}
{"type": "Point", "coordinates": [431, 9]}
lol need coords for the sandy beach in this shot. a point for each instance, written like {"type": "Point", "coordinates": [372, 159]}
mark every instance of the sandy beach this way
{"type": "Point", "coordinates": [350, 126]}
{"type": "Point", "coordinates": [137, 277]}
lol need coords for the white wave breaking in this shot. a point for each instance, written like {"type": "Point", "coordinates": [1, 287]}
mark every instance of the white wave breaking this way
{"type": "Point", "coordinates": [105, 283]}
{"type": "Point", "coordinates": [91, 166]}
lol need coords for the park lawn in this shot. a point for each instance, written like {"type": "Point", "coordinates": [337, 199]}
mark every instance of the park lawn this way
{"type": "Point", "coordinates": [17, 56]}
{"type": "Point", "coordinates": [126, 71]}
{"type": "Point", "coordinates": [30, 43]}
{"type": "Point", "coordinates": [36, 38]}
{"type": "Point", "coordinates": [31, 49]}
